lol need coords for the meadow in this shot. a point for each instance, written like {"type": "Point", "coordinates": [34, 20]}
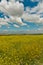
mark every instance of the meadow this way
{"type": "Point", "coordinates": [21, 50]}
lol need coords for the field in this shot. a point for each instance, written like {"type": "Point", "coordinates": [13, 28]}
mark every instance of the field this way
{"type": "Point", "coordinates": [21, 50]}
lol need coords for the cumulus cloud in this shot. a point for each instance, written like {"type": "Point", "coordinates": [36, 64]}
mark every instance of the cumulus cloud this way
{"type": "Point", "coordinates": [34, 14]}
{"type": "Point", "coordinates": [15, 10]}
{"type": "Point", "coordinates": [12, 8]}
{"type": "Point", "coordinates": [16, 26]}
{"type": "Point", "coordinates": [35, 0]}
{"type": "Point", "coordinates": [17, 20]}
{"type": "Point", "coordinates": [3, 21]}
{"type": "Point", "coordinates": [31, 17]}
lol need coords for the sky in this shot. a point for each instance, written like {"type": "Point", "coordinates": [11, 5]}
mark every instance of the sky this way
{"type": "Point", "coordinates": [21, 16]}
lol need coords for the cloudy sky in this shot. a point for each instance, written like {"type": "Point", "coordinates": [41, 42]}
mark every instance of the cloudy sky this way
{"type": "Point", "coordinates": [21, 16]}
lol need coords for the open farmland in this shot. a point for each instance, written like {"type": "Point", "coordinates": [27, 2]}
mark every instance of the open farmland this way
{"type": "Point", "coordinates": [21, 50]}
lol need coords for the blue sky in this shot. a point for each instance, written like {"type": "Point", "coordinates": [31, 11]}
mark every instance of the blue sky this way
{"type": "Point", "coordinates": [21, 15]}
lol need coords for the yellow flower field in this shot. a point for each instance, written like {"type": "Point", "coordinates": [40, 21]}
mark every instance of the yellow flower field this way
{"type": "Point", "coordinates": [21, 50]}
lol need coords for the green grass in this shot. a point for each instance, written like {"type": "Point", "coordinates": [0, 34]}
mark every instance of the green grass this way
{"type": "Point", "coordinates": [21, 50]}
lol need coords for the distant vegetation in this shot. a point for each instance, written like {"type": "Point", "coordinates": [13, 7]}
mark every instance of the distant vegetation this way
{"type": "Point", "coordinates": [21, 50]}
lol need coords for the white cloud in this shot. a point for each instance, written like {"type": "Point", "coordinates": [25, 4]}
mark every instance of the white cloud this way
{"type": "Point", "coordinates": [35, 0]}
{"type": "Point", "coordinates": [16, 12]}
{"type": "Point", "coordinates": [12, 0]}
{"type": "Point", "coordinates": [14, 9]}
{"type": "Point", "coordinates": [21, 0]}
{"type": "Point", "coordinates": [3, 21]}
{"type": "Point", "coordinates": [36, 16]}
{"type": "Point", "coordinates": [17, 20]}
{"type": "Point", "coordinates": [31, 17]}
{"type": "Point", "coordinates": [6, 21]}
{"type": "Point", "coordinates": [8, 27]}
{"type": "Point", "coordinates": [16, 26]}
{"type": "Point", "coordinates": [5, 31]}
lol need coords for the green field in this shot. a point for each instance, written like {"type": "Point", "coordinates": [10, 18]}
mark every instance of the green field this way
{"type": "Point", "coordinates": [21, 50]}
